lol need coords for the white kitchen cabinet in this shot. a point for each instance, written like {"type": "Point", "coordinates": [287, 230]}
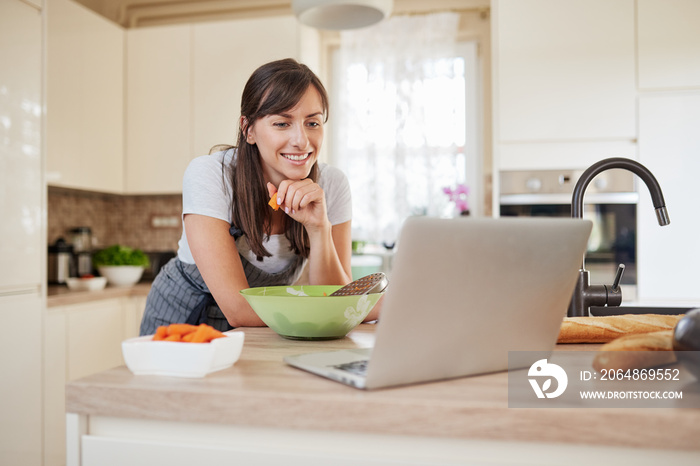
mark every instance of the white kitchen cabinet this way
{"type": "Point", "coordinates": [55, 363]}
{"type": "Point", "coordinates": [21, 240]}
{"type": "Point", "coordinates": [20, 383]}
{"type": "Point", "coordinates": [669, 43]}
{"type": "Point", "coordinates": [223, 62]}
{"type": "Point", "coordinates": [85, 99]}
{"type": "Point", "coordinates": [564, 71]}
{"type": "Point", "coordinates": [184, 86]}
{"type": "Point", "coordinates": [133, 313]}
{"type": "Point", "coordinates": [80, 340]}
{"type": "Point", "coordinates": [561, 155]}
{"type": "Point", "coordinates": [22, 246]}
{"type": "Point", "coordinates": [112, 441]}
{"type": "Point", "coordinates": [94, 332]}
{"type": "Point", "coordinates": [669, 144]}
{"type": "Point", "coordinates": [159, 108]}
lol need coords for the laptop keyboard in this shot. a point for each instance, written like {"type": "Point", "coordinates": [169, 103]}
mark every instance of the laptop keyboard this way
{"type": "Point", "coordinates": [354, 367]}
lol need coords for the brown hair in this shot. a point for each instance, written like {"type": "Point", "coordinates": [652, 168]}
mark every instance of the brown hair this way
{"type": "Point", "coordinates": [274, 88]}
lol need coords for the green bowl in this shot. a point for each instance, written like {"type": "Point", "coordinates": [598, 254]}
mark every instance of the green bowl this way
{"type": "Point", "coordinates": [308, 312]}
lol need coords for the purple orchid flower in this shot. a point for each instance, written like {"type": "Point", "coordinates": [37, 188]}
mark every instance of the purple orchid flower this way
{"type": "Point", "coordinates": [458, 196]}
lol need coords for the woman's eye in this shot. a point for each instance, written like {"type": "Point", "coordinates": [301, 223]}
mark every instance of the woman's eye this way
{"type": "Point", "coordinates": [314, 124]}
{"type": "Point", "coordinates": [280, 124]}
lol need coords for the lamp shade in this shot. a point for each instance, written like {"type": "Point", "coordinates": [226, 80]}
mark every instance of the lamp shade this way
{"type": "Point", "coordinates": [341, 14]}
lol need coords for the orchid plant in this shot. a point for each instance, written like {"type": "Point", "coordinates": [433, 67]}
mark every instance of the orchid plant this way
{"type": "Point", "coordinates": [458, 195]}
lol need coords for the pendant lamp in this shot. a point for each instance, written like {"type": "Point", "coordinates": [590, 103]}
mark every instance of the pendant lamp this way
{"type": "Point", "coordinates": [341, 14]}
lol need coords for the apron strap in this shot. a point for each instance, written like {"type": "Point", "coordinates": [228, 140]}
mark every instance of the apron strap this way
{"type": "Point", "coordinates": [235, 232]}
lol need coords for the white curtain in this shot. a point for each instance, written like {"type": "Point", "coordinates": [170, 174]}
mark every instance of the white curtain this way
{"type": "Point", "coordinates": [400, 120]}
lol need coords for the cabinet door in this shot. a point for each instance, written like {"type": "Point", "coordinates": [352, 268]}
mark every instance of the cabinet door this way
{"type": "Point", "coordinates": [85, 99]}
{"type": "Point", "coordinates": [565, 70]}
{"type": "Point", "coordinates": [21, 241]}
{"type": "Point", "coordinates": [219, 78]}
{"type": "Point", "coordinates": [134, 313]}
{"type": "Point", "coordinates": [669, 43]}
{"type": "Point", "coordinates": [669, 144]}
{"type": "Point", "coordinates": [80, 340]}
{"type": "Point", "coordinates": [55, 387]}
{"type": "Point", "coordinates": [159, 123]}
{"type": "Point", "coordinates": [20, 383]}
{"type": "Point", "coordinates": [95, 332]}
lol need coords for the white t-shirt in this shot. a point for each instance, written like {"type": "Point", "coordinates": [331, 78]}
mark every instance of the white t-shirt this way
{"type": "Point", "coordinates": [206, 190]}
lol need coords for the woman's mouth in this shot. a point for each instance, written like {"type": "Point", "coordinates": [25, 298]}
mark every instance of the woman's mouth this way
{"type": "Point", "coordinates": [297, 157]}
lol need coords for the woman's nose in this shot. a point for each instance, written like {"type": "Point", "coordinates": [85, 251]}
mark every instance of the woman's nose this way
{"type": "Point", "coordinates": [300, 138]}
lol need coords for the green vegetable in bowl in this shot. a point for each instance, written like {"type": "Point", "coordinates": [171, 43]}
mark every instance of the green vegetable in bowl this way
{"type": "Point", "coordinates": [120, 255]}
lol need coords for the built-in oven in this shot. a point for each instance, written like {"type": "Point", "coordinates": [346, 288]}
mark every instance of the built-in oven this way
{"type": "Point", "coordinates": [610, 202]}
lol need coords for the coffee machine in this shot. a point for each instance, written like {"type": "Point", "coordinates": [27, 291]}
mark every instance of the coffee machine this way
{"type": "Point", "coordinates": [60, 262]}
{"type": "Point", "coordinates": [82, 250]}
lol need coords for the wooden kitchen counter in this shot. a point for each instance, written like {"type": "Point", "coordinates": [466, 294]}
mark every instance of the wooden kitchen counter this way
{"type": "Point", "coordinates": [261, 391]}
{"type": "Point", "coordinates": [58, 295]}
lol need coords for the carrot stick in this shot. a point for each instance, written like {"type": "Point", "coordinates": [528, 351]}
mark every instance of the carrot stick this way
{"type": "Point", "coordinates": [161, 333]}
{"type": "Point", "coordinates": [205, 334]}
{"type": "Point", "coordinates": [181, 329]}
{"type": "Point", "coordinates": [213, 334]}
{"type": "Point", "coordinates": [187, 333]}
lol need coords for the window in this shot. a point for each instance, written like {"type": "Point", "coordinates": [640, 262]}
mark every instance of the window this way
{"type": "Point", "coordinates": [404, 128]}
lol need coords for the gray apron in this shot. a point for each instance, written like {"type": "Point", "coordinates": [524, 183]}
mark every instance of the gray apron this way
{"type": "Point", "coordinates": [179, 294]}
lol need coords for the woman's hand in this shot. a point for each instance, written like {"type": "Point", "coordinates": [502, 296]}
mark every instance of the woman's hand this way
{"type": "Point", "coordinates": [330, 251]}
{"type": "Point", "coordinates": [304, 201]}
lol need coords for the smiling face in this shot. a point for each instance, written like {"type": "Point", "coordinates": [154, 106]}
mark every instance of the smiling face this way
{"type": "Point", "coordinates": [289, 142]}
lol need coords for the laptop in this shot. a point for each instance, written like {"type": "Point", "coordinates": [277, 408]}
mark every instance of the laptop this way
{"type": "Point", "coordinates": [462, 293]}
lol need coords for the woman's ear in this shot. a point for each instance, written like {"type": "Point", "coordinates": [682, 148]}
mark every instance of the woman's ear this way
{"type": "Point", "coordinates": [249, 138]}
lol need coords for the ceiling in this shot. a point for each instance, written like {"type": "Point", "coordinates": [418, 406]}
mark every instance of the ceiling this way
{"type": "Point", "coordinates": [141, 13]}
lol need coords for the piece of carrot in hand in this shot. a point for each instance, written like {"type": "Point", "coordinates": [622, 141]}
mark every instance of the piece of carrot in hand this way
{"type": "Point", "coordinates": [273, 202]}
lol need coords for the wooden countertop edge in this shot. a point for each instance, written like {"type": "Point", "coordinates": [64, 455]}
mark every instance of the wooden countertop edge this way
{"type": "Point", "coordinates": [62, 296]}
{"type": "Point", "coordinates": [326, 405]}
{"type": "Point", "coordinates": [595, 427]}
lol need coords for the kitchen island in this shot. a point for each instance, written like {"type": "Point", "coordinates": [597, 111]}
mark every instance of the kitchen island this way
{"type": "Point", "coordinates": [263, 412]}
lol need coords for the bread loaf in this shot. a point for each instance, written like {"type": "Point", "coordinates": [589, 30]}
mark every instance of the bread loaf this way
{"type": "Point", "coordinates": [636, 352]}
{"type": "Point", "coordinates": [604, 329]}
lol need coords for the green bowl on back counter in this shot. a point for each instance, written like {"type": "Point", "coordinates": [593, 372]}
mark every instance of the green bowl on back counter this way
{"type": "Point", "coordinates": [308, 312]}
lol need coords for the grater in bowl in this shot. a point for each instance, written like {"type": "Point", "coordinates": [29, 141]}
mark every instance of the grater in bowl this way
{"type": "Point", "coordinates": [373, 283]}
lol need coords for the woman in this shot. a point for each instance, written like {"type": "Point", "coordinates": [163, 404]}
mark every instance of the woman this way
{"type": "Point", "coordinates": [232, 239]}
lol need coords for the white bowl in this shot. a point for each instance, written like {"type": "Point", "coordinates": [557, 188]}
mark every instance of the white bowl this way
{"type": "Point", "coordinates": [86, 284]}
{"type": "Point", "coordinates": [121, 275]}
{"type": "Point", "coordinates": [143, 356]}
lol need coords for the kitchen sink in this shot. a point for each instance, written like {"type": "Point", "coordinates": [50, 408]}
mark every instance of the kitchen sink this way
{"type": "Point", "coordinates": [620, 310]}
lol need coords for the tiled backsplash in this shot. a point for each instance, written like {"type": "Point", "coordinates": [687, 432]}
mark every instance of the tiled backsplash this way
{"type": "Point", "coordinates": [115, 219]}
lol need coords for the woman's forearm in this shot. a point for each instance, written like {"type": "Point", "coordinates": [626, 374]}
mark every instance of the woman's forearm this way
{"type": "Point", "coordinates": [217, 259]}
{"type": "Point", "coordinates": [325, 264]}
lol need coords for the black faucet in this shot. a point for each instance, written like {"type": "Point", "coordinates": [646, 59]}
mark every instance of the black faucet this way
{"type": "Point", "coordinates": [585, 294]}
